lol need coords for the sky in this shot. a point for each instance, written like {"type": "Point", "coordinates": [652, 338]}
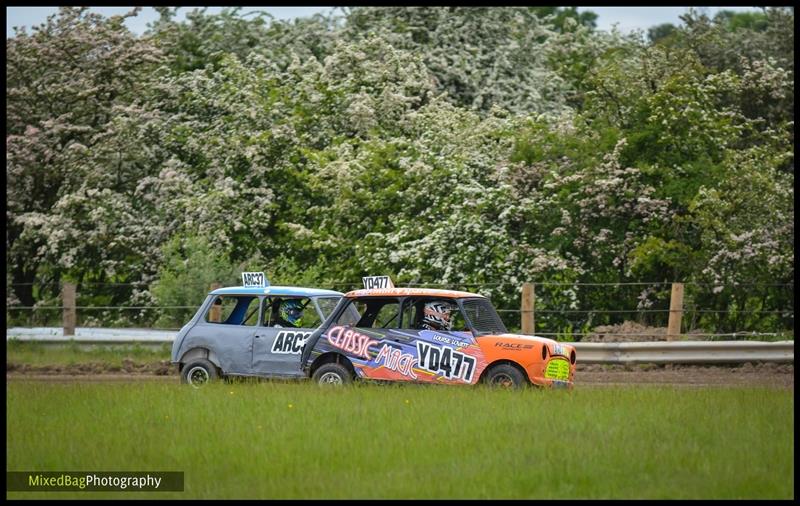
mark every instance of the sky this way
{"type": "Point", "coordinates": [626, 18]}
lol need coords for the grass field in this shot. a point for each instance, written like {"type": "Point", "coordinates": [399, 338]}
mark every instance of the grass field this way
{"type": "Point", "coordinates": [296, 440]}
{"type": "Point", "coordinates": [26, 352]}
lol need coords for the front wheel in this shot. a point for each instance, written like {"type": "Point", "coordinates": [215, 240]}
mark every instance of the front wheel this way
{"type": "Point", "coordinates": [332, 374]}
{"type": "Point", "coordinates": [199, 372]}
{"type": "Point", "coordinates": [505, 376]}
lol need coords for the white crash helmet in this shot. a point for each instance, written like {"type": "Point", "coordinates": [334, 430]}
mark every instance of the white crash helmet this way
{"type": "Point", "coordinates": [436, 315]}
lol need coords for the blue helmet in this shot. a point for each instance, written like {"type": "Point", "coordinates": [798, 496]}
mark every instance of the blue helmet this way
{"type": "Point", "coordinates": [292, 311]}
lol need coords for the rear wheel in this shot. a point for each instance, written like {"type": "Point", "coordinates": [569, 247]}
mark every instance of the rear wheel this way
{"type": "Point", "coordinates": [505, 376]}
{"type": "Point", "coordinates": [199, 372]}
{"type": "Point", "coordinates": [332, 374]}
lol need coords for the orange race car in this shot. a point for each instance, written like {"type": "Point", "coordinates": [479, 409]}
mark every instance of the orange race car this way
{"type": "Point", "coordinates": [431, 336]}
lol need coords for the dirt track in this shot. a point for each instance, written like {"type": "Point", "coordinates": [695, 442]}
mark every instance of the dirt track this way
{"type": "Point", "coordinates": [769, 375]}
{"type": "Point", "coordinates": [765, 374]}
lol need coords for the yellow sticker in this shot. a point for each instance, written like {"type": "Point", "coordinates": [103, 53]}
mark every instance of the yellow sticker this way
{"type": "Point", "coordinates": [557, 369]}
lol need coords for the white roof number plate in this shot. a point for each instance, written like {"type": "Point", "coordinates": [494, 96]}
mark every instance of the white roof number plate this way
{"type": "Point", "coordinates": [372, 282]}
{"type": "Point", "coordinates": [254, 279]}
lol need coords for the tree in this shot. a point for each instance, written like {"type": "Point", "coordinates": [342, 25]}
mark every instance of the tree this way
{"type": "Point", "coordinates": [481, 57]}
{"type": "Point", "coordinates": [204, 39]}
{"type": "Point", "coordinates": [658, 32]}
{"type": "Point", "coordinates": [62, 84]}
{"type": "Point", "coordinates": [560, 15]}
{"type": "Point", "coordinates": [756, 21]}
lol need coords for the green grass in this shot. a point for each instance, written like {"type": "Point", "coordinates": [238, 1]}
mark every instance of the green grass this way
{"type": "Point", "coordinates": [36, 353]}
{"type": "Point", "coordinates": [296, 440]}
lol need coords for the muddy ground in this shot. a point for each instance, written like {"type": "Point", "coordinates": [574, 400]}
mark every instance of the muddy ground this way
{"type": "Point", "coordinates": [748, 374]}
{"type": "Point", "coordinates": [759, 374]}
{"type": "Point", "coordinates": [633, 332]}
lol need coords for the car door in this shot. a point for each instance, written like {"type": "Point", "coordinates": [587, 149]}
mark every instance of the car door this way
{"type": "Point", "coordinates": [227, 330]}
{"type": "Point", "coordinates": [441, 356]}
{"type": "Point", "coordinates": [374, 342]}
{"type": "Point", "coordinates": [276, 346]}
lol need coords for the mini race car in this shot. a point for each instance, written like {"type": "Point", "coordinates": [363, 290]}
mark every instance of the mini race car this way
{"type": "Point", "coordinates": [429, 336]}
{"type": "Point", "coordinates": [250, 330]}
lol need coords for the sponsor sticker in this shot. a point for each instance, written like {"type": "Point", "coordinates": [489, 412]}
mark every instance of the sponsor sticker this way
{"type": "Point", "coordinates": [396, 360]}
{"type": "Point", "coordinates": [445, 361]}
{"type": "Point", "coordinates": [289, 343]}
{"type": "Point", "coordinates": [557, 369]}
{"type": "Point", "coordinates": [450, 341]}
{"type": "Point", "coordinates": [513, 346]}
{"type": "Point", "coordinates": [350, 341]}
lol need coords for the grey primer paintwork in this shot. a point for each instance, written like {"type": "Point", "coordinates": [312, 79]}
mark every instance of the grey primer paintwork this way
{"type": "Point", "coordinates": [250, 350]}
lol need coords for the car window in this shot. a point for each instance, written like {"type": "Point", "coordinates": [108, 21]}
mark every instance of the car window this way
{"type": "Point", "coordinates": [289, 312]}
{"type": "Point", "coordinates": [459, 324]}
{"type": "Point", "coordinates": [410, 314]}
{"type": "Point", "coordinates": [372, 313]}
{"type": "Point", "coordinates": [327, 305]}
{"type": "Point", "coordinates": [484, 318]}
{"type": "Point", "coordinates": [388, 317]}
{"type": "Point", "coordinates": [350, 315]}
{"type": "Point", "coordinates": [414, 313]}
{"type": "Point", "coordinates": [233, 310]}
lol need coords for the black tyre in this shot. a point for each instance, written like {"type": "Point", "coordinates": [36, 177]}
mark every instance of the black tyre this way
{"type": "Point", "coordinates": [332, 374]}
{"type": "Point", "coordinates": [199, 372]}
{"type": "Point", "coordinates": [505, 376]}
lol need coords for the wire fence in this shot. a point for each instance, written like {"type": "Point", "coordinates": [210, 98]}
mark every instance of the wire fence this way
{"type": "Point", "coordinates": [710, 311]}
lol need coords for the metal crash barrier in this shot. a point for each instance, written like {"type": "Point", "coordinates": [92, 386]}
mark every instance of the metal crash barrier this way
{"type": "Point", "coordinates": [656, 352]}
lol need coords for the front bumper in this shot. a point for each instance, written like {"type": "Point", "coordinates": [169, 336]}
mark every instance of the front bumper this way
{"type": "Point", "coordinates": [554, 372]}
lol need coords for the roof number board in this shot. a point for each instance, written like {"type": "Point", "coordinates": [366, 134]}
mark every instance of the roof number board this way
{"type": "Point", "coordinates": [372, 282]}
{"type": "Point", "coordinates": [255, 279]}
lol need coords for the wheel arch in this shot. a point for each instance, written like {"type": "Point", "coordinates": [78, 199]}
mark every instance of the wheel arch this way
{"type": "Point", "coordinates": [335, 357]}
{"type": "Point", "coordinates": [505, 361]}
{"type": "Point", "coordinates": [199, 352]}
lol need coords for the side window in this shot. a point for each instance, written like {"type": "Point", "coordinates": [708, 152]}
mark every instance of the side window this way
{"type": "Point", "coordinates": [459, 324]}
{"type": "Point", "coordinates": [327, 305]}
{"type": "Point", "coordinates": [290, 312]}
{"type": "Point", "coordinates": [372, 313]}
{"type": "Point", "coordinates": [433, 314]}
{"type": "Point", "coordinates": [233, 310]}
{"type": "Point", "coordinates": [388, 316]}
{"type": "Point", "coordinates": [410, 320]}
{"type": "Point", "coordinates": [351, 314]}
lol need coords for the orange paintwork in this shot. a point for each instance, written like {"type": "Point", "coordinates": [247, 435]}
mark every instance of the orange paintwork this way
{"type": "Point", "coordinates": [402, 292]}
{"type": "Point", "coordinates": [515, 347]}
{"type": "Point", "coordinates": [525, 351]}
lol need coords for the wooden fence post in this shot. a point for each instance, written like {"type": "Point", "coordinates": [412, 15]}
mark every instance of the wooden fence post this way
{"type": "Point", "coordinates": [68, 304]}
{"type": "Point", "coordinates": [214, 313]}
{"type": "Point", "coordinates": [675, 312]}
{"type": "Point", "coordinates": [528, 301]}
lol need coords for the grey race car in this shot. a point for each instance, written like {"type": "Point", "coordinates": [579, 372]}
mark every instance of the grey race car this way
{"type": "Point", "coordinates": [250, 331]}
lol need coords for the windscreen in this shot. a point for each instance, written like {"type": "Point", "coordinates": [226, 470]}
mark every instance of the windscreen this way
{"type": "Point", "coordinates": [483, 317]}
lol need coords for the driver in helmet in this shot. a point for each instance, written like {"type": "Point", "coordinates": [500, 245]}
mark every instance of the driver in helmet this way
{"type": "Point", "coordinates": [436, 316]}
{"type": "Point", "coordinates": [290, 314]}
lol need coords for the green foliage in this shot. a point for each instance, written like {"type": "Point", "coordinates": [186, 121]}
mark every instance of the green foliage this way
{"type": "Point", "coordinates": [756, 21]}
{"type": "Point", "coordinates": [474, 147]}
{"type": "Point", "coordinates": [561, 14]}
{"type": "Point", "coordinates": [191, 265]}
{"type": "Point", "coordinates": [662, 31]}
{"type": "Point", "coordinates": [204, 39]}
{"type": "Point", "coordinates": [49, 354]}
